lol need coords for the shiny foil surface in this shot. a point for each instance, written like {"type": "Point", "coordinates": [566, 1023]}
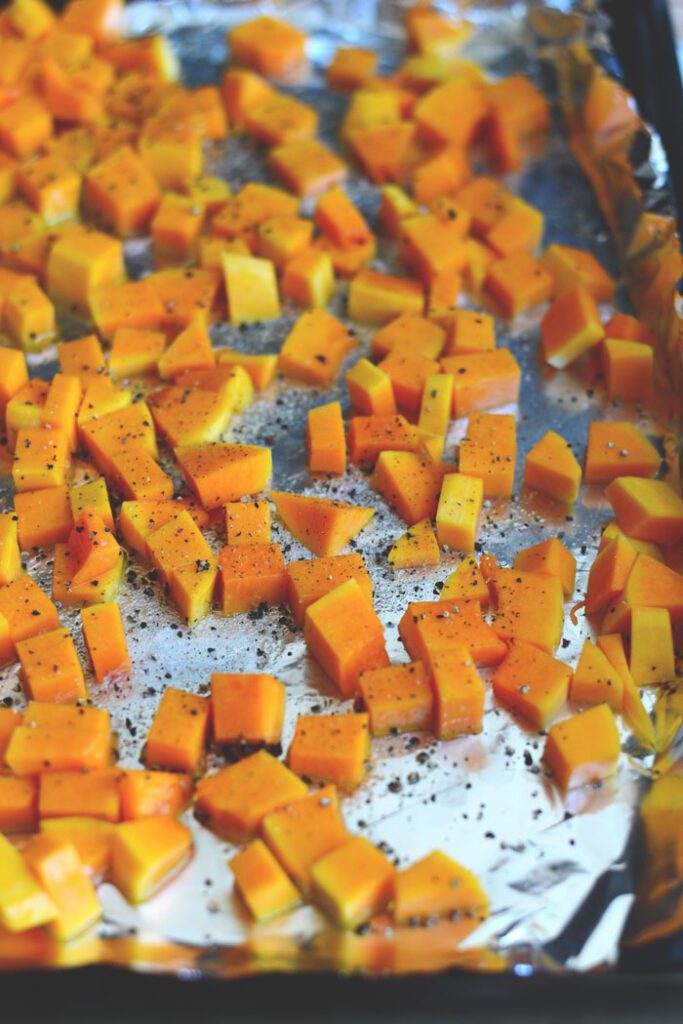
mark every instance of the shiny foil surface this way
{"type": "Point", "coordinates": [561, 873]}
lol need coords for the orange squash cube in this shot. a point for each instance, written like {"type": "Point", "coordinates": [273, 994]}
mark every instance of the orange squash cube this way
{"type": "Point", "coordinates": [350, 68]}
{"type": "Point", "coordinates": [307, 167]}
{"type": "Point", "coordinates": [247, 709]}
{"type": "Point", "coordinates": [325, 439]}
{"type": "Point", "coordinates": [41, 459]}
{"type": "Point", "coordinates": [25, 126]}
{"type": "Point", "coordinates": [315, 348]}
{"type": "Point", "coordinates": [408, 372]}
{"type": "Point", "coordinates": [552, 468]}
{"type": "Point", "coordinates": [303, 832]}
{"type": "Point", "coordinates": [70, 594]}
{"type": "Point", "coordinates": [24, 903]}
{"type": "Point", "coordinates": [260, 368]}
{"type": "Point", "coordinates": [279, 239]}
{"type": "Point", "coordinates": [482, 380]}
{"type": "Point", "coordinates": [176, 226]}
{"type": "Point", "coordinates": [432, 246]}
{"type": "Point", "coordinates": [370, 389]}
{"type": "Point", "coordinates": [10, 556]}
{"type": "Point", "coordinates": [247, 522]}
{"type": "Point", "coordinates": [18, 803]}
{"type": "Point", "coordinates": [517, 598]}
{"type": "Point", "coordinates": [133, 304]}
{"type": "Point", "coordinates": [44, 517]}
{"type": "Point", "coordinates": [56, 864]}
{"type": "Point", "coordinates": [50, 667]}
{"type": "Point", "coordinates": [121, 193]}
{"type": "Point", "coordinates": [308, 278]}
{"type": "Point", "coordinates": [146, 793]}
{"type": "Point", "coordinates": [652, 647]}
{"type": "Point", "coordinates": [92, 838]}
{"type": "Point", "coordinates": [235, 800]}
{"type": "Point", "coordinates": [331, 748]}
{"type": "Point", "coordinates": [250, 575]}
{"type": "Point", "coordinates": [282, 120]}
{"type": "Point", "coordinates": [397, 698]}
{"type": "Point", "coordinates": [146, 853]}
{"type": "Point", "coordinates": [89, 794]}
{"type": "Point", "coordinates": [517, 282]}
{"type": "Point", "coordinates": [338, 218]}
{"type": "Point", "coordinates": [29, 316]}
{"type": "Point", "coordinates": [458, 693]}
{"type": "Point", "coordinates": [371, 436]}
{"type": "Point", "coordinates": [488, 451]}
{"type": "Point", "coordinates": [353, 882]}
{"type": "Point", "coordinates": [647, 509]}
{"type": "Point", "coordinates": [9, 720]}
{"type": "Point", "coordinates": [628, 368]}
{"type": "Point", "coordinates": [60, 737]}
{"type": "Point", "coordinates": [434, 112]}
{"type": "Point", "coordinates": [418, 546]}
{"type": "Point", "coordinates": [345, 635]}
{"type": "Point", "coordinates": [51, 187]}
{"type": "Point", "coordinates": [268, 45]}
{"type": "Point", "coordinates": [576, 268]}
{"type": "Point", "coordinates": [219, 473]}
{"type": "Point", "coordinates": [27, 609]}
{"type": "Point", "coordinates": [595, 681]}
{"type": "Point", "coordinates": [106, 640]}
{"type": "Point", "coordinates": [466, 582]}
{"type": "Point", "coordinates": [469, 331]}
{"type": "Point", "coordinates": [322, 525]}
{"type": "Point", "coordinates": [177, 735]}
{"type": "Point", "coordinates": [93, 495]}
{"type": "Point", "coordinates": [251, 288]}
{"type": "Point", "coordinates": [532, 683]}
{"type": "Point", "coordinates": [458, 511]}
{"type": "Point", "coordinates": [410, 483]}
{"type": "Point", "coordinates": [583, 749]}
{"type": "Point", "coordinates": [436, 886]}
{"type": "Point", "coordinates": [79, 263]}
{"type": "Point", "coordinates": [13, 375]}
{"type": "Point", "coordinates": [375, 298]}
{"type": "Point", "coordinates": [618, 449]}
{"type": "Point", "coordinates": [93, 547]}
{"type": "Point", "coordinates": [570, 327]}
{"type": "Point", "coordinates": [261, 882]}
{"type": "Point", "coordinates": [428, 626]}
{"type": "Point", "coordinates": [552, 557]}
{"type": "Point", "coordinates": [311, 578]}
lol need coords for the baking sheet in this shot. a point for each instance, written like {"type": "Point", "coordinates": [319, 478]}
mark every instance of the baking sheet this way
{"type": "Point", "coordinates": [561, 874]}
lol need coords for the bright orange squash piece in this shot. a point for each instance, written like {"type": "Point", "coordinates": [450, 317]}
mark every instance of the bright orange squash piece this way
{"type": "Point", "coordinates": [375, 298]}
{"type": "Point", "coordinates": [326, 440]}
{"type": "Point", "coordinates": [9, 720]}
{"type": "Point", "coordinates": [69, 594]}
{"type": "Point", "coordinates": [106, 640]}
{"type": "Point", "coordinates": [268, 45]}
{"type": "Point", "coordinates": [309, 579]}
{"type": "Point", "coordinates": [482, 380]}
{"type": "Point", "coordinates": [219, 473]}
{"type": "Point", "coordinates": [618, 449]}
{"type": "Point", "coordinates": [371, 435]}
{"type": "Point", "coordinates": [532, 683]}
{"type": "Point", "coordinates": [408, 372]}
{"type": "Point", "coordinates": [609, 574]}
{"type": "Point", "coordinates": [345, 635]}
{"type": "Point", "coordinates": [145, 793]}
{"type": "Point", "coordinates": [489, 451]}
{"type": "Point", "coordinates": [50, 667]}
{"type": "Point", "coordinates": [632, 710]}
{"type": "Point", "coordinates": [577, 268]}
{"type": "Point", "coordinates": [583, 749]}
{"type": "Point", "coordinates": [652, 648]}
{"type": "Point", "coordinates": [458, 693]}
{"type": "Point", "coordinates": [410, 483]}
{"type": "Point", "coordinates": [250, 575]}
{"type": "Point", "coordinates": [628, 368]}
{"type": "Point", "coordinates": [93, 547]}
{"type": "Point", "coordinates": [308, 277]}
{"type": "Point", "coordinates": [397, 697]}
{"type": "Point", "coordinates": [595, 681]}
{"type": "Point", "coordinates": [18, 803]}
{"type": "Point", "coordinates": [529, 606]}
{"type": "Point", "coordinates": [246, 709]}
{"type": "Point", "coordinates": [437, 886]}
{"type": "Point", "coordinates": [331, 748]}
{"type": "Point", "coordinates": [571, 326]}
{"type": "Point", "coordinates": [418, 546]}
{"type": "Point", "coordinates": [552, 557]}
{"type": "Point", "coordinates": [127, 428]}
{"type": "Point", "coordinates": [247, 522]}
{"type": "Point", "coordinates": [261, 882]}
{"type": "Point", "coordinates": [552, 468]}
{"type": "Point", "coordinates": [10, 556]}
{"type": "Point", "coordinates": [235, 799]}
{"type": "Point", "coordinates": [466, 582]}
{"type": "Point", "coordinates": [516, 283]}
{"type": "Point", "coordinates": [59, 737]}
{"type": "Point", "coordinates": [434, 626]}
{"type": "Point", "coordinates": [353, 882]}
{"type": "Point", "coordinates": [92, 838]}
{"type": "Point", "coordinates": [41, 459]}
{"type": "Point", "coordinates": [177, 735]}
{"type": "Point", "coordinates": [121, 193]}
{"type": "Point", "coordinates": [458, 511]}
{"type": "Point", "coordinates": [315, 348]}
{"type": "Point", "coordinates": [146, 853]}
{"type": "Point", "coordinates": [89, 794]}
{"type": "Point", "coordinates": [303, 832]}
{"type": "Point", "coordinates": [44, 517]}
{"type": "Point", "coordinates": [322, 525]}
{"type": "Point", "coordinates": [370, 389]}
{"type": "Point", "coordinates": [307, 167]}
{"type": "Point", "coordinates": [647, 509]}
{"type": "Point", "coordinates": [409, 332]}
{"type": "Point", "coordinates": [27, 609]}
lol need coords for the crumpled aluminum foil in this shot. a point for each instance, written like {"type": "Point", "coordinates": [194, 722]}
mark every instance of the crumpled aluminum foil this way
{"type": "Point", "coordinates": [561, 873]}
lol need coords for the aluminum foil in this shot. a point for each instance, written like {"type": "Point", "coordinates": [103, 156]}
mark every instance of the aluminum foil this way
{"type": "Point", "coordinates": [561, 873]}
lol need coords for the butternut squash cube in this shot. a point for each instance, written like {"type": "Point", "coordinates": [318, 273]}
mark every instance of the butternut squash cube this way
{"type": "Point", "coordinates": [146, 853]}
{"type": "Point", "coordinates": [552, 468]}
{"type": "Point", "coordinates": [482, 380]}
{"type": "Point", "coordinates": [50, 667]}
{"type": "Point", "coordinates": [575, 268]}
{"type": "Point", "coordinates": [311, 578]}
{"type": "Point", "coordinates": [250, 575]}
{"type": "Point", "coordinates": [353, 882]}
{"type": "Point", "coordinates": [177, 736]}
{"type": "Point", "coordinates": [247, 522]}
{"type": "Point", "coordinates": [192, 417]}
{"type": "Point", "coordinates": [41, 460]}
{"type": "Point", "coordinates": [139, 476]}
{"type": "Point", "coordinates": [176, 226]}
{"type": "Point", "coordinates": [93, 547]}
{"type": "Point", "coordinates": [308, 277]}
{"type": "Point", "coordinates": [436, 403]}
{"type": "Point", "coordinates": [25, 126]}
{"type": "Point", "coordinates": [92, 495]}
{"type": "Point", "coordinates": [24, 903]}
{"type": "Point", "coordinates": [315, 348]}
{"type": "Point", "coordinates": [235, 799]}
{"type": "Point", "coordinates": [583, 749]}
{"type": "Point", "coordinates": [106, 640]}
{"type": "Point", "coordinates": [279, 239]}
{"type": "Point", "coordinates": [27, 609]}
{"type": "Point", "coordinates": [428, 626]}
{"type": "Point", "coordinates": [571, 326]}
{"type": "Point", "coordinates": [628, 368]}
{"type": "Point", "coordinates": [411, 484]}
{"type": "Point", "coordinates": [618, 449]}
{"type": "Point", "coordinates": [18, 803]}
{"type": "Point", "coordinates": [133, 304]}
{"type": "Point", "coordinates": [146, 793]}
{"type": "Point", "coordinates": [370, 389]}
{"type": "Point", "coordinates": [532, 683]}
{"type": "Point", "coordinates": [51, 187]}
{"type": "Point", "coordinates": [517, 597]}
{"type": "Point", "coordinates": [350, 67]}
{"type": "Point", "coordinates": [325, 439]}
{"type": "Point", "coordinates": [433, 113]}
{"type": "Point", "coordinates": [247, 709]}
{"type": "Point", "coordinates": [121, 193]}
{"type": "Point", "coordinates": [251, 288]}
{"type": "Point", "coordinates": [652, 648]}
{"type": "Point", "coordinates": [469, 331]}
{"type": "Point", "coordinates": [282, 120]}
{"type": "Point", "coordinates": [267, 45]}
{"type": "Point", "coordinates": [323, 525]}
{"type": "Point", "coordinates": [261, 882]}
{"type": "Point", "coordinates": [9, 720]}
{"type": "Point", "coordinates": [397, 698]}
{"type": "Point", "coordinates": [261, 368]}
{"type": "Point", "coordinates": [92, 838]}
{"type": "Point", "coordinates": [647, 509]}
{"type": "Point", "coordinates": [418, 546]}
{"type": "Point", "coordinates": [307, 167]}
{"type": "Point", "coordinates": [331, 748]}
{"type": "Point", "coordinates": [458, 693]}
{"type": "Point", "coordinates": [13, 375]}
{"type": "Point", "coordinates": [338, 218]}
{"type": "Point", "coordinates": [437, 886]}
{"type": "Point", "coordinates": [345, 635]}
{"type": "Point", "coordinates": [633, 711]}
{"type": "Point", "coordinates": [370, 436]}
{"type": "Point", "coordinates": [552, 557]}
{"type": "Point", "coordinates": [466, 582]}
{"type": "Point", "coordinates": [457, 515]}
{"type": "Point", "coordinates": [10, 556]}
{"type": "Point", "coordinates": [375, 298]}
{"type": "Point", "coordinates": [219, 473]}
{"type": "Point", "coordinates": [60, 737]}
{"type": "Point", "coordinates": [89, 794]}
{"type": "Point", "coordinates": [408, 372]}
{"type": "Point", "coordinates": [489, 451]}
{"type": "Point", "coordinates": [29, 316]}
{"type": "Point", "coordinates": [69, 593]}
{"type": "Point", "coordinates": [44, 517]}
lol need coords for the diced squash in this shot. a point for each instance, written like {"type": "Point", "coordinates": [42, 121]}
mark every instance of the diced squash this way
{"type": "Point", "coordinates": [44, 517]}
{"type": "Point", "coordinates": [583, 749]}
{"type": "Point", "coordinates": [121, 193]}
{"type": "Point", "coordinates": [517, 597]}
{"type": "Point", "coordinates": [10, 556]}
{"type": "Point", "coordinates": [532, 683]}
{"type": "Point", "coordinates": [9, 720]}
{"type": "Point", "coordinates": [370, 389]}
{"type": "Point", "coordinates": [595, 681]}
{"type": "Point", "coordinates": [411, 483]}
{"type": "Point", "coordinates": [146, 853]}
{"type": "Point", "coordinates": [268, 45]}
{"type": "Point", "coordinates": [25, 126]}
{"type": "Point", "coordinates": [459, 508]}
{"type": "Point", "coordinates": [315, 348]}
{"type": "Point", "coordinates": [618, 449]}
{"type": "Point", "coordinates": [652, 647]}
{"type": "Point", "coordinates": [350, 67]}
{"type": "Point", "coordinates": [60, 737]}
{"type": "Point", "coordinates": [323, 525]}
{"type": "Point", "coordinates": [628, 368]}
{"type": "Point", "coordinates": [570, 327]}
{"type": "Point", "coordinates": [311, 578]}
{"type": "Point", "coordinates": [92, 838]}
{"type": "Point", "coordinates": [417, 547]}
{"type": "Point", "coordinates": [370, 436]}
{"type": "Point", "coordinates": [41, 459]}
{"type": "Point", "coordinates": [106, 640]}
{"type": "Point", "coordinates": [325, 439]}
{"type": "Point", "coordinates": [139, 477]}
{"type": "Point", "coordinates": [307, 167]}
{"type": "Point", "coordinates": [409, 332]}
{"type": "Point", "coordinates": [69, 594]}
{"type": "Point", "coordinates": [260, 881]}
{"type": "Point", "coordinates": [428, 626]}
{"type": "Point", "coordinates": [235, 799]}
{"type": "Point", "coordinates": [621, 325]}
{"type": "Point", "coordinates": [375, 298]}
{"type": "Point", "coordinates": [250, 575]}
{"type": "Point", "coordinates": [88, 794]}
{"type": "Point", "coordinates": [27, 609]}
{"type": "Point", "coordinates": [144, 794]}
{"type": "Point", "coordinates": [331, 748]}
{"type": "Point", "coordinates": [609, 574]}
{"type": "Point", "coordinates": [93, 548]}
{"type": "Point", "coordinates": [13, 375]}
{"type": "Point", "coordinates": [345, 635]}
{"type": "Point", "coordinates": [18, 803]}
{"type": "Point", "coordinates": [632, 710]}
{"type": "Point", "coordinates": [308, 277]}
{"type": "Point", "coordinates": [437, 886]}
{"type": "Point", "coordinates": [219, 473]}
{"type": "Point", "coordinates": [127, 428]}
{"type": "Point", "coordinates": [24, 903]}
{"type": "Point", "coordinates": [260, 368]}
{"type": "Point", "coordinates": [647, 509]}
{"type": "Point", "coordinates": [50, 666]}
{"type": "Point", "coordinates": [397, 698]}
{"type": "Point", "coordinates": [488, 451]}
{"type": "Point", "coordinates": [247, 522]}
{"type": "Point", "coordinates": [51, 187]}
{"type": "Point", "coordinates": [552, 557]}
{"type": "Point", "coordinates": [458, 693]}
{"type": "Point", "coordinates": [408, 372]}
{"type": "Point", "coordinates": [574, 268]}
{"type": "Point", "coordinates": [466, 582]}
{"type": "Point", "coordinates": [353, 882]}
{"type": "Point", "coordinates": [434, 112]}
{"type": "Point", "coordinates": [482, 380]}
{"type": "Point", "coordinates": [516, 283]}
{"type": "Point", "coordinates": [552, 468]}
{"type": "Point", "coordinates": [246, 709]}
{"type": "Point", "coordinates": [177, 736]}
